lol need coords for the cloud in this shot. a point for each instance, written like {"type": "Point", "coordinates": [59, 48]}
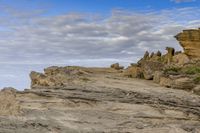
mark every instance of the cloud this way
{"type": "Point", "coordinates": [180, 1]}
{"type": "Point", "coordinates": [73, 38]}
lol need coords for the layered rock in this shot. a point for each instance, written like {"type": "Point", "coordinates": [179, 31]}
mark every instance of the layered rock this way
{"type": "Point", "coordinates": [116, 66]}
{"type": "Point", "coordinates": [57, 76]}
{"type": "Point", "coordinates": [175, 69]}
{"type": "Point", "coordinates": [190, 41]}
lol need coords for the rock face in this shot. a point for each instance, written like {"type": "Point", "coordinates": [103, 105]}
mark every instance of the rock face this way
{"type": "Point", "coordinates": [190, 41]}
{"type": "Point", "coordinates": [183, 83]}
{"type": "Point", "coordinates": [103, 102]}
{"type": "Point", "coordinates": [116, 66]}
{"type": "Point", "coordinates": [133, 72]}
{"type": "Point", "coordinates": [149, 68]}
{"type": "Point", "coordinates": [175, 69]}
{"type": "Point", "coordinates": [8, 102]}
{"type": "Point", "coordinates": [57, 76]}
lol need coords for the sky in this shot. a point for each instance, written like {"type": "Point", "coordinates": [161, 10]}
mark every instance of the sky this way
{"type": "Point", "coordinates": [38, 33]}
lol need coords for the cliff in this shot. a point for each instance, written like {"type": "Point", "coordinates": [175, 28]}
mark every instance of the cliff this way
{"type": "Point", "coordinates": [190, 41]}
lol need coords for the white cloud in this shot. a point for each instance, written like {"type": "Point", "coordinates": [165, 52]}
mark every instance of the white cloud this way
{"type": "Point", "coordinates": [81, 37]}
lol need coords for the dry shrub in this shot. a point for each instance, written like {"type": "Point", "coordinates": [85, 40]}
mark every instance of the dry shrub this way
{"type": "Point", "coordinates": [8, 102]}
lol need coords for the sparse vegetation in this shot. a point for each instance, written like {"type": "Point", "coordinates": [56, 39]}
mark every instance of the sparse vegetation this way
{"type": "Point", "coordinates": [172, 70]}
{"type": "Point", "coordinates": [192, 70]}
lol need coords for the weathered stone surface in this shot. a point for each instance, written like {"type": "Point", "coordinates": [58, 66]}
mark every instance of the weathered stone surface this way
{"type": "Point", "coordinates": [196, 89]}
{"type": "Point", "coordinates": [149, 67]}
{"type": "Point", "coordinates": [170, 54]}
{"type": "Point", "coordinates": [190, 41]}
{"type": "Point", "coordinates": [183, 83]}
{"type": "Point", "coordinates": [180, 59]}
{"type": "Point", "coordinates": [166, 82]}
{"type": "Point", "coordinates": [157, 76]}
{"type": "Point", "coordinates": [57, 76]}
{"type": "Point", "coordinates": [107, 103]}
{"type": "Point", "coordinates": [9, 105]}
{"type": "Point", "coordinates": [116, 66]}
{"type": "Point", "coordinates": [133, 72]}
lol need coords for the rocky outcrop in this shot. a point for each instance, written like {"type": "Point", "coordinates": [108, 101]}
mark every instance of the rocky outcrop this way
{"type": "Point", "coordinates": [78, 99]}
{"type": "Point", "coordinates": [116, 66]}
{"type": "Point", "coordinates": [133, 72]}
{"type": "Point", "coordinates": [57, 76]}
{"type": "Point", "coordinates": [190, 41]}
{"type": "Point", "coordinates": [108, 102]}
{"type": "Point", "coordinates": [9, 105]}
{"type": "Point", "coordinates": [175, 69]}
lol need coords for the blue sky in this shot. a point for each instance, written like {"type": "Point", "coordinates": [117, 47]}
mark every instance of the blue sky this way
{"type": "Point", "coordinates": [99, 6]}
{"type": "Point", "coordinates": [38, 33]}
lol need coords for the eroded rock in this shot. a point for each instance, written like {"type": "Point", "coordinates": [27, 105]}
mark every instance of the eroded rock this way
{"type": "Point", "coordinates": [116, 66]}
{"type": "Point", "coordinates": [149, 67]}
{"type": "Point", "coordinates": [190, 41]}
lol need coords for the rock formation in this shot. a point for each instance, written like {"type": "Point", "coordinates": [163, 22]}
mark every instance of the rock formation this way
{"type": "Point", "coordinates": [175, 69]}
{"type": "Point", "coordinates": [97, 100]}
{"type": "Point", "coordinates": [116, 66]}
{"type": "Point", "coordinates": [190, 41]}
{"type": "Point", "coordinates": [77, 99]}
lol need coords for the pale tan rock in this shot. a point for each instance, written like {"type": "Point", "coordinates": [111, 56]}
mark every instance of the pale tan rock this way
{"type": "Point", "coordinates": [8, 102]}
{"type": "Point", "coordinates": [133, 72]}
{"type": "Point", "coordinates": [190, 41]}
{"type": "Point", "coordinates": [183, 83]}
{"type": "Point", "coordinates": [149, 67]}
{"type": "Point", "coordinates": [165, 81]}
{"type": "Point", "coordinates": [180, 59]}
{"type": "Point", "coordinates": [196, 89]}
{"type": "Point", "coordinates": [170, 54]}
{"type": "Point", "coordinates": [157, 76]}
{"type": "Point", "coordinates": [116, 66]}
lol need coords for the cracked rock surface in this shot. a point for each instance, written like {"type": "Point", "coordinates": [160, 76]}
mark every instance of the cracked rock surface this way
{"type": "Point", "coordinates": [100, 100]}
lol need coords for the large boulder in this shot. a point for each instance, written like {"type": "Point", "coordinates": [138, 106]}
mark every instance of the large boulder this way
{"type": "Point", "coordinates": [183, 83]}
{"type": "Point", "coordinates": [149, 68]}
{"type": "Point", "coordinates": [157, 76]}
{"type": "Point", "coordinates": [116, 66]}
{"type": "Point", "coordinates": [166, 82]}
{"type": "Point", "coordinates": [133, 72]}
{"type": "Point", "coordinates": [9, 105]}
{"type": "Point", "coordinates": [181, 59]}
{"type": "Point", "coordinates": [190, 41]}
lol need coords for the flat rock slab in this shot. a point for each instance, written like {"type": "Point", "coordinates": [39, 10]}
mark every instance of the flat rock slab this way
{"type": "Point", "coordinates": [105, 103]}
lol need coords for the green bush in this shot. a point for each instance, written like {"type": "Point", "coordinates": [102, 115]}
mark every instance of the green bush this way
{"type": "Point", "coordinates": [192, 70]}
{"type": "Point", "coordinates": [172, 70]}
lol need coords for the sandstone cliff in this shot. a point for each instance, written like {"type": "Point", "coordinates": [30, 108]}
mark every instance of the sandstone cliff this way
{"type": "Point", "coordinates": [190, 41]}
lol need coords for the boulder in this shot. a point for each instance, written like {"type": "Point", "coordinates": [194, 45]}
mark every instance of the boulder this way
{"type": "Point", "coordinates": [116, 66]}
{"type": "Point", "coordinates": [157, 76]}
{"type": "Point", "coordinates": [9, 105]}
{"type": "Point", "coordinates": [166, 82]}
{"type": "Point", "coordinates": [180, 59]}
{"type": "Point", "coordinates": [133, 72]}
{"type": "Point", "coordinates": [184, 83]}
{"type": "Point", "coordinates": [149, 67]}
{"type": "Point", "coordinates": [190, 41]}
{"type": "Point", "coordinates": [196, 89]}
